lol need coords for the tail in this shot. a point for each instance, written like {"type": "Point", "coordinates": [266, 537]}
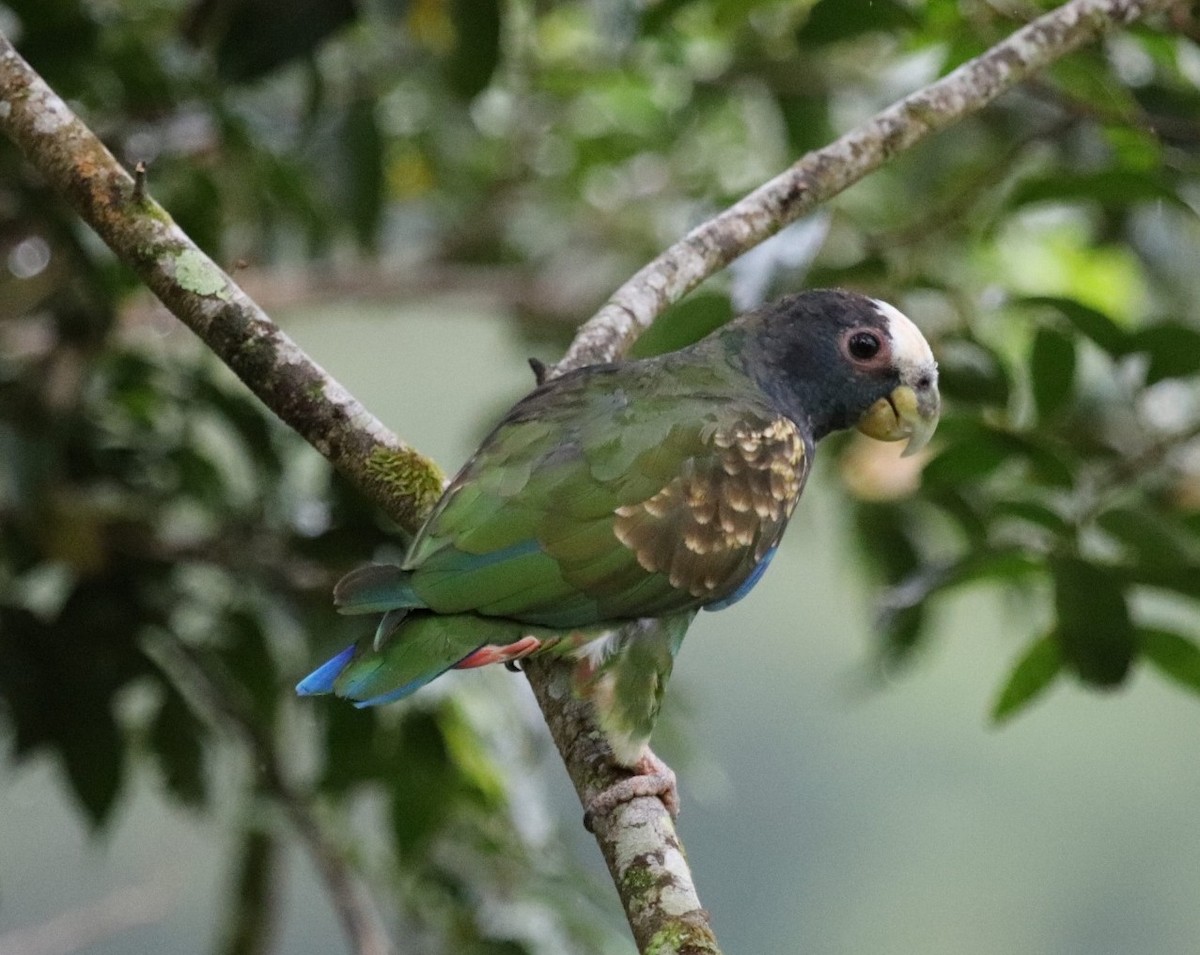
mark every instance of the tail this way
{"type": "Point", "coordinates": [423, 647]}
{"type": "Point", "coordinates": [378, 588]}
{"type": "Point", "coordinates": [375, 588]}
{"type": "Point", "coordinates": [410, 647]}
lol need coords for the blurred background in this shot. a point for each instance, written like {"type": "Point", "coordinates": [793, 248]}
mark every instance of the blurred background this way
{"type": "Point", "coordinates": [959, 714]}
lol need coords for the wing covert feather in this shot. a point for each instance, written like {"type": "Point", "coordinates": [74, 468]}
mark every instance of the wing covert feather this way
{"type": "Point", "coordinates": [610, 497]}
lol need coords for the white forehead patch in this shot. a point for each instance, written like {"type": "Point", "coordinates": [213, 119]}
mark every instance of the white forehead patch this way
{"type": "Point", "coordinates": [909, 348]}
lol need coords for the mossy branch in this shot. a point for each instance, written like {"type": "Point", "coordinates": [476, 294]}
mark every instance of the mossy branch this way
{"type": "Point", "coordinates": [77, 166]}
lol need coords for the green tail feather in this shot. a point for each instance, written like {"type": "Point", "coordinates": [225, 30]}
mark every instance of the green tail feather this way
{"type": "Point", "coordinates": [423, 646]}
{"type": "Point", "coordinates": [375, 588]}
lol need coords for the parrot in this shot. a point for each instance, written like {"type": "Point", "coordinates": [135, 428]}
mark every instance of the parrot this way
{"type": "Point", "coordinates": [614, 502]}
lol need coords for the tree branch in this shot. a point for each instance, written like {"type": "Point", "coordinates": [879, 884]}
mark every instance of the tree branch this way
{"type": "Point", "coordinates": [638, 838]}
{"type": "Point", "coordinates": [644, 854]}
{"type": "Point", "coordinates": [822, 174]}
{"type": "Point", "coordinates": [78, 167]}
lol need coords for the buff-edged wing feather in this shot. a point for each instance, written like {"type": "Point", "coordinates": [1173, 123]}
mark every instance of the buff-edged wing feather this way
{"type": "Point", "coordinates": [611, 497]}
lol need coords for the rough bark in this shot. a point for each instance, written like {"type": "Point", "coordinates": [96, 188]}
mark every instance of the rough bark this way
{"type": "Point", "coordinates": [638, 839]}
{"type": "Point", "coordinates": [78, 167]}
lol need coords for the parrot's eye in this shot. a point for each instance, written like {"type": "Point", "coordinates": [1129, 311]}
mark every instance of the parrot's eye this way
{"type": "Point", "coordinates": [863, 345]}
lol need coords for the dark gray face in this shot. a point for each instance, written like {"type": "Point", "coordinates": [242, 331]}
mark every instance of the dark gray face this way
{"type": "Point", "coordinates": [828, 357]}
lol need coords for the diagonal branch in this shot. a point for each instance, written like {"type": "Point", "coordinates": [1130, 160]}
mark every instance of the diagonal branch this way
{"type": "Point", "coordinates": [638, 839]}
{"type": "Point", "coordinates": [823, 173]}
{"type": "Point", "coordinates": [78, 167]}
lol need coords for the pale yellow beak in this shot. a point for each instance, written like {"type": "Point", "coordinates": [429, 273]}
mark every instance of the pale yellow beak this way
{"type": "Point", "coordinates": [904, 413]}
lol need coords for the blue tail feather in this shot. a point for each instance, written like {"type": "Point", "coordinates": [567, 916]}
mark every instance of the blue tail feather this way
{"type": "Point", "coordinates": [321, 679]}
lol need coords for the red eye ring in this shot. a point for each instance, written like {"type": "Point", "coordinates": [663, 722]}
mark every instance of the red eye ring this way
{"type": "Point", "coordinates": [863, 345]}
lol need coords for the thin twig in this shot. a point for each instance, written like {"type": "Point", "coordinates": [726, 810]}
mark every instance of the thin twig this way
{"type": "Point", "coordinates": [218, 700]}
{"type": "Point", "coordinates": [139, 182]}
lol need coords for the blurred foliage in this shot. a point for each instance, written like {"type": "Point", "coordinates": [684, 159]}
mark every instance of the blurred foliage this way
{"type": "Point", "coordinates": [1048, 247]}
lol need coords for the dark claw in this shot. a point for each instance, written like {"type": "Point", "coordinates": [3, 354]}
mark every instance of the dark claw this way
{"type": "Point", "coordinates": [513, 666]}
{"type": "Point", "coordinates": [539, 370]}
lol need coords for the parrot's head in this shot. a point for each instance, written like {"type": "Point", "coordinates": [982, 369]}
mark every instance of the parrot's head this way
{"type": "Point", "coordinates": [837, 359]}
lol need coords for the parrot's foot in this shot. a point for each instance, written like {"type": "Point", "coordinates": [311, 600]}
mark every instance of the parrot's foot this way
{"type": "Point", "coordinates": [652, 777]}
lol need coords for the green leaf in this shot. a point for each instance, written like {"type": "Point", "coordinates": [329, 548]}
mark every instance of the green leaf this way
{"type": "Point", "coordinates": [1045, 459]}
{"type": "Point", "coordinates": [364, 145]}
{"type": "Point", "coordinates": [1180, 578]}
{"type": "Point", "coordinates": [831, 21]}
{"type": "Point", "coordinates": [58, 680]}
{"type": "Point", "coordinates": [687, 322]}
{"type": "Point", "coordinates": [427, 792]}
{"type": "Point", "coordinates": [1051, 370]}
{"type": "Point", "coordinates": [1176, 102]}
{"type": "Point", "coordinates": [477, 27]}
{"type": "Point", "coordinates": [654, 16]}
{"type": "Point", "coordinates": [886, 538]}
{"type": "Point", "coordinates": [1032, 513]}
{"type": "Point", "coordinates": [971, 459]}
{"type": "Point", "coordinates": [199, 477]}
{"type": "Point", "coordinates": [351, 748]}
{"type": "Point", "coordinates": [1030, 678]}
{"type": "Point", "coordinates": [976, 450]}
{"type": "Point", "coordinates": [93, 754]}
{"type": "Point", "coordinates": [1086, 79]}
{"type": "Point", "coordinates": [971, 373]}
{"type": "Point", "coordinates": [1152, 539]}
{"type": "Point", "coordinates": [176, 736]}
{"type": "Point", "coordinates": [901, 630]}
{"type": "Point", "coordinates": [1091, 322]}
{"type": "Point", "coordinates": [1110, 187]}
{"type": "Point", "coordinates": [253, 37]}
{"type": "Point", "coordinates": [1173, 349]}
{"type": "Point", "coordinates": [1176, 657]}
{"type": "Point", "coordinates": [1093, 627]}
{"type": "Point", "coordinates": [245, 652]}
{"type": "Point", "coordinates": [1000, 566]}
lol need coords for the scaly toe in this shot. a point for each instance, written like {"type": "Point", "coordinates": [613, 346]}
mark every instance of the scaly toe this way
{"type": "Point", "coordinates": [654, 779]}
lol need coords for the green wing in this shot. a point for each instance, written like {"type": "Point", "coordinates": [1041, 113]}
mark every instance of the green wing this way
{"type": "Point", "coordinates": [611, 494]}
